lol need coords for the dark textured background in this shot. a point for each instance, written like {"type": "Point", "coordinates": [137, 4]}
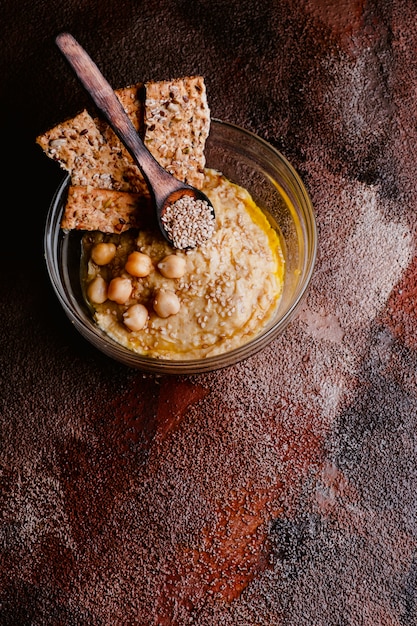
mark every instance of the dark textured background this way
{"type": "Point", "coordinates": [281, 490]}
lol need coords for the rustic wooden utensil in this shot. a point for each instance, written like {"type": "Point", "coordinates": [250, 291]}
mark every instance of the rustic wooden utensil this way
{"type": "Point", "coordinates": [165, 188]}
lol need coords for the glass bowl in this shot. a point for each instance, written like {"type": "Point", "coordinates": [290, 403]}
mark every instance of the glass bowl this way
{"type": "Point", "coordinates": [249, 161]}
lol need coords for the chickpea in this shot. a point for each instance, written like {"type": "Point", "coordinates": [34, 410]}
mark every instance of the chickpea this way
{"type": "Point", "coordinates": [138, 264]}
{"type": "Point", "coordinates": [172, 266]}
{"type": "Point", "coordinates": [103, 253]}
{"type": "Point", "coordinates": [97, 290]}
{"type": "Point", "coordinates": [119, 289]}
{"type": "Point", "coordinates": [166, 303]}
{"type": "Point", "coordinates": [135, 317]}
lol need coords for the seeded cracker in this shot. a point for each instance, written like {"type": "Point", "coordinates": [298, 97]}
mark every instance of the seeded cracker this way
{"type": "Point", "coordinates": [107, 210]}
{"type": "Point", "coordinates": [177, 123]}
{"type": "Point", "coordinates": [89, 150]}
{"type": "Point", "coordinates": [129, 176]}
{"type": "Point", "coordinates": [91, 156]}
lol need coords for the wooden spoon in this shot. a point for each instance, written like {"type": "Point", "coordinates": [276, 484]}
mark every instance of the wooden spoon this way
{"type": "Point", "coordinates": [165, 189]}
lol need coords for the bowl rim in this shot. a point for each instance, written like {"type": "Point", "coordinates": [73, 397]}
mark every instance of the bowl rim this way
{"type": "Point", "coordinates": [145, 363]}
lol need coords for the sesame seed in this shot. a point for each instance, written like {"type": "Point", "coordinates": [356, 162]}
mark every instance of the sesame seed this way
{"type": "Point", "coordinates": [188, 222]}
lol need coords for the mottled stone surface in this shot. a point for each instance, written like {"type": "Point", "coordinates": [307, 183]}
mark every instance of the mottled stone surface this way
{"type": "Point", "coordinates": [280, 491]}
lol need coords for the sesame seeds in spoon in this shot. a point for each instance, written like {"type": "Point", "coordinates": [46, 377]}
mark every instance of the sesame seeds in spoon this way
{"type": "Point", "coordinates": [184, 214]}
{"type": "Point", "coordinates": [188, 222]}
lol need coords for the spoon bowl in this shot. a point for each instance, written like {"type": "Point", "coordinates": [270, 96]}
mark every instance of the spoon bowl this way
{"type": "Point", "coordinates": [194, 209]}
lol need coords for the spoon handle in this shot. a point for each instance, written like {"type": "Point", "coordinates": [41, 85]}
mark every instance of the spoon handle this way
{"type": "Point", "coordinates": [110, 106]}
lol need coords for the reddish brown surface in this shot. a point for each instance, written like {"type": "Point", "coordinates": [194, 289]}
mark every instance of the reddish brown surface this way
{"type": "Point", "coordinates": [401, 312]}
{"type": "Point", "coordinates": [280, 490]}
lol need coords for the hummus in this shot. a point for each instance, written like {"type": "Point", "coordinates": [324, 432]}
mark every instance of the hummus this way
{"type": "Point", "coordinates": [229, 291]}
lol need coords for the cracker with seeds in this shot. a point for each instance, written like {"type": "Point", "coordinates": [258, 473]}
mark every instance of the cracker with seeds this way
{"type": "Point", "coordinates": [106, 210]}
{"type": "Point", "coordinates": [132, 100]}
{"type": "Point", "coordinates": [89, 150]}
{"type": "Point", "coordinates": [177, 124]}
